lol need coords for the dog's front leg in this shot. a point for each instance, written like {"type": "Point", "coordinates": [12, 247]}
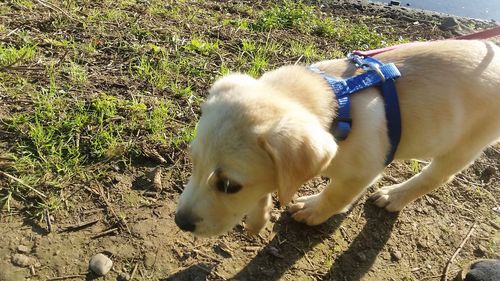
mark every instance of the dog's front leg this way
{"type": "Point", "coordinates": [336, 198]}
{"type": "Point", "coordinates": [259, 215]}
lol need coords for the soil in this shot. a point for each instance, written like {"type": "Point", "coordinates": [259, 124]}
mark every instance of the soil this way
{"type": "Point", "coordinates": [367, 243]}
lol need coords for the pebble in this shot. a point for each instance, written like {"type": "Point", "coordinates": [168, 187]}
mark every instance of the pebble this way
{"type": "Point", "coordinates": [274, 252]}
{"type": "Point", "coordinates": [23, 249]}
{"type": "Point", "coordinates": [396, 255]}
{"type": "Point", "coordinates": [275, 217]}
{"type": "Point", "coordinates": [361, 257]}
{"type": "Point", "coordinates": [449, 23]}
{"type": "Point", "coordinates": [149, 260]}
{"type": "Point", "coordinates": [480, 251]}
{"type": "Point", "coordinates": [225, 249]}
{"type": "Point", "coordinates": [123, 276]}
{"type": "Point", "coordinates": [21, 260]}
{"type": "Point", "coordinates": [100, 264]}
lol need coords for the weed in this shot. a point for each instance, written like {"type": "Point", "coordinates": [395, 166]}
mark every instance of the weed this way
{"type": "Point", "coordinates": [184, 137]}
{"type": "Point", "coordinates": [308, 51]}
{"type": "Point", "coordinates": [76, 72]}
{"type": "Point", "coordinates": [10, 55]}
{"type": "Point", "coordinates": [156, 69]}
{"type": "Point", "coordinates": [415, 166]}
{"type": "Point", "coordinates": [201, 46]}
{"type": "Point", "coordinates": [157, 121]}
{"type": "Point", "coordinates": [287, 15]}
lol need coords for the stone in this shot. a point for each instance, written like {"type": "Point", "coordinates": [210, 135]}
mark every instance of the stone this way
{"type": "Point", "coordinates": [361, 257]}
{"type": "Point", "coordinates": [274, 252]}
{"type": "Point", "coordinates": [123, 276]}
{"type": "Point", "coordinates": [23, 249]}
{"type": "Point", "coordinates": [396, 255]}
{"type": "Point", "coordinates": [21, 260]}
{"type": "Point", "coordinates": [449, 23]}
{"type": "Point", "coordinates": [100, 264]}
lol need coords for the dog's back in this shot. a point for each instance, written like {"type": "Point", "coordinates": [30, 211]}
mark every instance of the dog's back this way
{"type": "Point", "coordinates": [456, 87]}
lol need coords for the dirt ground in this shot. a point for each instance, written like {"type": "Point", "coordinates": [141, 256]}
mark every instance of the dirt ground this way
{"type": "Point", "coordinates": [123, 214]}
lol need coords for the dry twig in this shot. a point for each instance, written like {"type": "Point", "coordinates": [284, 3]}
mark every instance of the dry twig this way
{"type": "Point", "coordinates": [66, 277]}
{"type": "Point", "coordinates": [57, 9]}
{"type": "Point", "coordinates": [40, 194]}
{"type": "Point", "coordinates": [444, 276]}
{"type": "Point", "coordinates": [48, 220]}
{"type": "Point", "coordinates": [79, 226]}
{"type": "Point", "coordinates": [112, 230]}
{"type": "Point", "coordinates": [132, 275]}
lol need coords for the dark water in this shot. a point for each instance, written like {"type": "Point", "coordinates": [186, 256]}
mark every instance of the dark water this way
{"type": "Point", "coordinates": [480, 9]}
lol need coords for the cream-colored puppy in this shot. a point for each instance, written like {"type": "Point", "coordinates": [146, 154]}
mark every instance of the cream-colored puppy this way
{"type": "Point", "coordinates": [258, 136]}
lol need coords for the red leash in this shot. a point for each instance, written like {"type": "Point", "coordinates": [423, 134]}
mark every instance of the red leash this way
{"type": "Point", "coordinates": [485, 34]}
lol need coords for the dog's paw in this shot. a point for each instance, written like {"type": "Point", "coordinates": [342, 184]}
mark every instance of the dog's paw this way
{"type": "Point", "coordinates": [310, 210]}
{"type": "Point", "coordinates": [390, 197]}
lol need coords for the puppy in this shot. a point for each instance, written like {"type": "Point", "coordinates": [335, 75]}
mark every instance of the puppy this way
{"type": "Point", "coordinates": [258, 136]}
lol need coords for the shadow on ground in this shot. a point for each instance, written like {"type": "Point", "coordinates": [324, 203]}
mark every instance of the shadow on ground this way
{"type": "Point", "coordinates": [352, 264]}
{"type": "Point", "coordinates": [293, 240]}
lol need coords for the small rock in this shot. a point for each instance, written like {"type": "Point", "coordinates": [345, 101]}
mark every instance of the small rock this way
{"type": "Point", "coordinates": [224, 249]}
{"type": "Point", "coordinates": [396, 255]}
{"type": "Point", "coordinates": [422, 244]}
{"type": "Point", "coordinates": [394, 3]}
{"type": "Point", "coordinates": [100, 264]}
{"type": "Point", "coordinates": [157, 179]}
{"type": "Point", "coordinates": [149, 259]}
{"type": "Point", "coordinates": [274, 252]}
{"type": "Point", "coordinates": [361, 257]}
{"type": "Point", "coordinates": [23, 249]}
{"type": "Point", "coordinates": [123, 276]}
{"type": "Point", "coordinates": [268, 271]}
{"type": "Point", "coordinates": [275, 217]}
{"type": "Point", "coordinates": [480, 251]}
{"type": "Point", "coordinates": [487, 173]}
{"type": "Point", "coordinates": [449, 23]}
{"type": "Point", "coordinates": [22, 260]}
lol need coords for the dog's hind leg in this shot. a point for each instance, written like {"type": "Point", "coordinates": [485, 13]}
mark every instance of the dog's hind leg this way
{"type": "Point", "coordinates": [441, 170]}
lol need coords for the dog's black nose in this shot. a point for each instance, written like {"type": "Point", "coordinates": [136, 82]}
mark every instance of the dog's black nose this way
{"type": "Point", "coordinates": [185, 221]}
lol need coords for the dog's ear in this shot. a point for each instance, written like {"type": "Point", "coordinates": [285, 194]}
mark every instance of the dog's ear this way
{"type": "Point", "coordinates": [300, 150]}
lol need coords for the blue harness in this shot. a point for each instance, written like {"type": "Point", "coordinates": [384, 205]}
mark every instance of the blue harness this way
{"type": "Point", "coordinates": [376, 74]}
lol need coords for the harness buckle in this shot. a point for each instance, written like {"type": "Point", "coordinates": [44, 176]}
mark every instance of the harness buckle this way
{"type": "Point", "coordinates": [375, 67]}
{"type": "Point", "coordinates": [360, 62]}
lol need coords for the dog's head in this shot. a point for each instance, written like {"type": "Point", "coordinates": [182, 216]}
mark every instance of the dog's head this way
{"type": "Point", "coordinates": [250, 142]}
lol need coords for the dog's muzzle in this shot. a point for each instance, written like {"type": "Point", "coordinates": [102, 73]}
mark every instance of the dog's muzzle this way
{"type": "Point", "coordinates": [186, 221]}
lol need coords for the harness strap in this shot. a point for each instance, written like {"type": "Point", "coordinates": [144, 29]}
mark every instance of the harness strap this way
{"type": "Point", "coordinates": [376, 74]}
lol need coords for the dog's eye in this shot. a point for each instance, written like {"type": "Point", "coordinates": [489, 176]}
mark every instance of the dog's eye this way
{"type": "Point", "coordinates": [227, 186]}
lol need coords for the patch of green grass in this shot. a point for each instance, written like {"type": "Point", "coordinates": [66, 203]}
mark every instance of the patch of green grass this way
{"type": "Point", "coordinates": [157, 121]}
{"type": "Point", "coordinates": [289, 14]}
{"type": "Point", "coordinates": [308, 51]}
{"type": "Point", "coordinates": [27, 4]}
{"type": "Point", "coordinates": [240, 23]}
{"type": "Point", "coordinates": [307, 19]}
{"type": "Point", "coordinates": [415, 166]}
{"type": "Point", "coordinates": [201, 46]}
{"type": "Point", "coordinates": [10, 55]}
{"type": "Point", "coordinates": [184, 137]}
{"type": "Point", "coordinates": [254, 57]}
{"type": "Point", "coordinates": [156, 69]}
{"type": "Point", "coordinates": [76, 73]}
